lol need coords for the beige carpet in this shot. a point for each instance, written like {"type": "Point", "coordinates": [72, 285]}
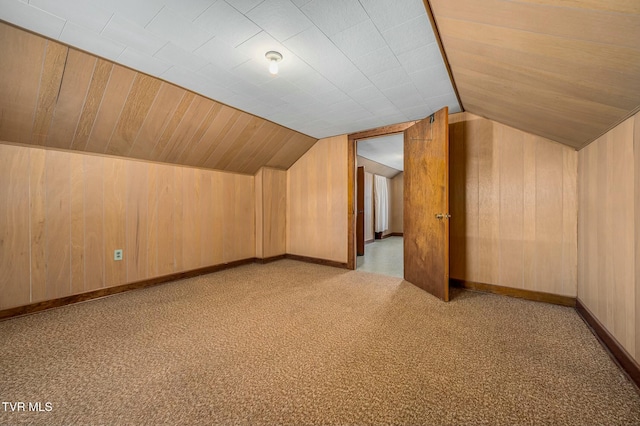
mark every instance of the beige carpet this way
{"type": "Point", "coordinates": [293, 343]}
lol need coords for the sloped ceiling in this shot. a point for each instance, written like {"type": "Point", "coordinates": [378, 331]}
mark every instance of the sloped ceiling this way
{"type": "Point", "coordinates": [387, 150]}
{"type": "Point", "coordinates": [567, 70]}
{"type": "Point", "coordinates": [349, 65]}
{"type": "Point", "coordinates": [59, 97]}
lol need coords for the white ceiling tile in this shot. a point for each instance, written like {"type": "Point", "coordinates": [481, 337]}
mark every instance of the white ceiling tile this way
{"type": "Point", "coordinates": [190, 9]}
{"type": "Point", "coordinates": [244, 6]}
{"type": "Point", "coordinates": [31, 18]}
{"type": "Point", "coordinates": [175, 55]}
{"type": "Point", "coordinates": [430, 87]}
{"type": "Point", "coordinates": [346, 80]}
{"type": "Point", "coordinates": [139, 11]}
{"type": "Point", "coordinates": [405, 96]}
{"type": "Point", "coordinates": [439, 102]}
{"type": "Point", "coordinates": [220, 76]}
{"type": "Point", "coordinates": [143, 62]}
{"type": "Point", "coordinates": [378, 61]}
{"type": "Point", "coordinates": [380, 106]}
{"type": "Point", "coordinates": [171, 26]}
{"type": "Point", "coordinates": [225, 22]}
{"type": "Point", "coordinates": [333, 16]}
{"type": "Point", "coordinates": [409, 35]}
{"type": "Point", "coordinates": [300, 3]}
{"type": "Point", "coordinates": [387, 14]}
{"type": "Point", "coordinates": [84, 39]}
{"type": "Point", "coordinates": [131, 34]}
{"type": "Point", "coordinates": [221, 53]}
{"type": "Point", "coordinates": [312, 82]}
{"type": "Point", "coordinates": [280, 18]}
{"type": "Point", "coordinates": [365, 94]}
{"type": "Point", "coordinates": [256, 47]}
{"type": "Point", "coordinates": [418, 112]}
{"type": "Point", "coordinates": [317, 50]}
{"type": "Point", "coordinates": [359, 40]}
{"type": "Point", "coordinates": [421, 58]}
{"type": "Point", "coordinates": [85, 14]}
{"type": "Point", "coordinates": [330, 97]}
{"type": "Point", "coordinates": [390, 78]}
{"type": "Point", "coordinates": [254, 72]}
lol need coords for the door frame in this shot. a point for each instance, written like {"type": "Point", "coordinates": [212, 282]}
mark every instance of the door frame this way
{"type": "Point", "coordinates": [351, 173]}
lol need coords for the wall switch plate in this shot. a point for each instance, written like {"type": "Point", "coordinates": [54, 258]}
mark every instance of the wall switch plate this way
{"type": "Point", "coordinates": [117, 255]}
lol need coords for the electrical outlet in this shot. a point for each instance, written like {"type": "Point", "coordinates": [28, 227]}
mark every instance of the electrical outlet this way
{"type": "Point", "coordinates": [117, 255]}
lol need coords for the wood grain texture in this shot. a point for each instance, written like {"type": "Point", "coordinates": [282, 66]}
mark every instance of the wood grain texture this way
{"type": "Point", "coordinates": [53, 66]}
{"type": "Point", "coordinates": [529, 185]}
{"type": "Point", "coordinates": [60, 97]}
{"type": "Point", "coordinates": [14, 227]}
{"type": "Point", "coordinates": [20, 69]}
{"type": "Point", "coordinates": [37, 225]}
{"type": "Point", "coordinates": [608, 232]}
{"type": "Point", "coordinates": [568, 72]}
{"type": "Point", "coordinates": [259, 183]}
{"type": "Point", "coordinates": [63, 214]}
{"type": "Point", "coordinates": [274, 227]}
{"type": "Point", "coordinates": [115, 209]}
{"type": "Point", "coordinates": [77, 215]}
{"type": "Point", "coordinates": [317, 219]}
{"type": "Point", "coordinates": [94, 237]}
{"type": "Point", "coordinates": [76, 79]}
{"type": "Point", "coordinates": [426, 194]}
{"type": "Point", "coordinates": [536, 296]}
{"type": "Point", "coordinates": [57, 208]}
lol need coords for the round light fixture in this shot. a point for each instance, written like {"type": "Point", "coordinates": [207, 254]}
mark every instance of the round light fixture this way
{"type": "Point", "coordinates": [273, 57]}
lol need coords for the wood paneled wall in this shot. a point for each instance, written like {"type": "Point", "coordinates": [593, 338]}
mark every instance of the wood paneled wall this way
{"type": "Point", "coordinates": [609, 232]}
{"type": "Point", "coordinates": [63, 214]}
{"type": "Point", "coordinates": [271, 212]}
{"type": "Point", "coordinates": [397, 203]}
{"type": "Point", "coordinates": [59, 97]}
{"type": "Point", "coordinates": [317, 224]}
{"type": "Point", "coordinates": [513, 201]}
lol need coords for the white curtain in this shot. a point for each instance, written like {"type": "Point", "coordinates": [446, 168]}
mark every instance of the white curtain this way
{"type": "Point", "coordinates": [381, 193]}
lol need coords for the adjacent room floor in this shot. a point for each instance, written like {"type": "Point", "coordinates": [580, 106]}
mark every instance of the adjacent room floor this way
{"type": "Point", "coordinates": [383, 257]}
{"type": "Point", "coordinates": [296, 343]}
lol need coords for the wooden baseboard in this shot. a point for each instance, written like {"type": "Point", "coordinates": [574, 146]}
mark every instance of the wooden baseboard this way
{"type": "Point", "coordinates": [317, 261]}
{"type": "Point", "coordinates": [264, 260]}
{"type": "Point", "coordinates": [536, 296]}
{"type": "Point", "coordinates": [615, 349]}
{"type": "Point", "coordinates": [370, 241]}
{"type": "Point", "coordinates": [76, 298]}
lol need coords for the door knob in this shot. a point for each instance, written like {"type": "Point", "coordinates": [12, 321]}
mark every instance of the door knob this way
{"type": "Point", "coordinates": [439, 216]}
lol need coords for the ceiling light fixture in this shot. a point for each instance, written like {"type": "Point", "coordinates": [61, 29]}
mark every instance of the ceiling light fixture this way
{"type": "Point", "coordinates": [273, 57]}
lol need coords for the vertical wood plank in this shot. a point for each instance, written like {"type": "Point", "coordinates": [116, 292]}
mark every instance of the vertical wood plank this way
{"type": "Point", "coordinates": [636, 151]}
{"type": "Point", "coordinates": [274, 212]}
{"type": "Point", "coordinates": [95, 252]}
{"type": "Point", "coordinates": [115, 221]}
{"type": "Point", "coordinates": [50, 81]}
{"type": "Point", "coordinates": [191, 245]}
{"type": "Point", "coordinates": [58, 250]}
{"type": "Point", "coordinates": [137, 210]}
{"type": "Point", "coordinates": [20, 69]}
{"type": "Point", "coordinates": [530, 261]}
{"type": "Point", "coordinates": [511, 151]}
{"type": "Point", "coordinates": [178, 218]}
{"type": "Point", "coordinates": [152, 221]}
{"type": "Point", "coordinates": [77, 223]}
{"type": "Point", "coordinates": [603, 231]}
{"type": "Point", "coordinates": [172, 124]}
{"type": "Point", "coordinates": [259, 184]}
{"type": "Point", "coordinates": [73, 92]}
{"type": "Point", "coordinates": [569, 222]}
{"type": "Point", "coordinates": [622, 228]}
{"type": "Point", "coordinates": [473, 135]}
{"type": "Point", "coordinates": [217, 222]}
{"type": "Point", "coordinates": [166, 208]}
{"type": "Point", "coordinates": [38, 224]}
{"type": "Point", "coordinates": [592, 238]}
{"type": "Point", "coordinates": [14, 227]}
{"type": "Point", "coordinates": [488, 204]}
{"type": "Point", "coordinates": [110, 109]}
{"type": "Point", "coordinates": [207, 229]}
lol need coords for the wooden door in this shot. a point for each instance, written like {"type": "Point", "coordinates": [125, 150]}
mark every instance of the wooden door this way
{"type": "Point", "coordinates": [360, 212]}
{"type": "Point", "coordinates": [426, 204]}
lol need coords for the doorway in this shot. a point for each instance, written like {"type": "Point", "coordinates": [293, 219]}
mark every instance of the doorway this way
{"type": "Point", "coordinates": [379, 204]}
